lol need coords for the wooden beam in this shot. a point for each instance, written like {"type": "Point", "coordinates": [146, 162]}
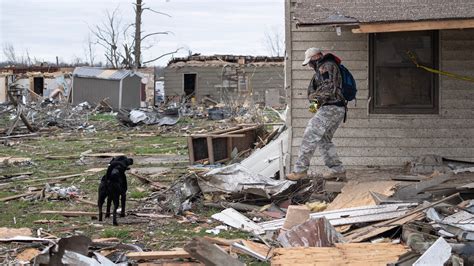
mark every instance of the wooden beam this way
{"type": "Point", "coordinates": [71, 213]}
{"type": "Point", "coordinates": [17, 196]}
{"type": "Point", "coordinates": [153, 255]}
{"type": "Point", "coordinates": [209, 254]}
{"type": "Point", "coordinates": [414, 26]}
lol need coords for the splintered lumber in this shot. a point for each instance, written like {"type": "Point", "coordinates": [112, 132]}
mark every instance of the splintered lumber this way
{"type": "Point", "coordinates": [71, 213]}
{"type": "Point", "coordinates": [45, 221]}
{"type": "Point", "coordinates": [210, 254]}
{"type": "Point", "coordinates": [221, 241]}
{"type": "Point", "coordinates": [16, 196]}
{"type": "Point", "coordinates": [6, 232]}
{"type": "Point", "coordinates": [154, 255]}
{"type": "Point", "coordinates": [86, 201]}
{"type": "Point", "coordinates": [61, 157]}
{"type": "Point", "coordinates": [356, 194]}
{"type": "Point", "coordinates": [109, 154]}
{"type": "Point", "coordinates": [341, 254]}
{"type": "Point", "coordinates": [22, 116]}
{"type": "Point", "coordinates": [352, 215]}
{"type": "Point", "coordinates": [373, 230]}
{"type": "Point", "coordinates": [57, 178]}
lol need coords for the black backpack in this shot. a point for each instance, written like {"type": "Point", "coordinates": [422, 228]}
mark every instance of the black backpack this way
{"type": "Point", "coordinates": [349, 88]}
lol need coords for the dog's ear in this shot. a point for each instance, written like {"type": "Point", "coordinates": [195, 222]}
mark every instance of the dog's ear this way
{"type": "Point", "coordinates": [111, 161]}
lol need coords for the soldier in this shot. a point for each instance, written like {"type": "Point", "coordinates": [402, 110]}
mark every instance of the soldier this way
{"type": "Point", "coordinates": [325, 96]}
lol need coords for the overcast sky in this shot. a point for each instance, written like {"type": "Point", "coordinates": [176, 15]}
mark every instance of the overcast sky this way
{"type": "Point", "coordinates": [50, 28]}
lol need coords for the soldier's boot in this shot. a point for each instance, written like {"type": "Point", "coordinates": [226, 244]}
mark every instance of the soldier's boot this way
{"type": "Point", "coordinates": [296, 176]}
{"type": "Point", "coordinates": [333, 175]}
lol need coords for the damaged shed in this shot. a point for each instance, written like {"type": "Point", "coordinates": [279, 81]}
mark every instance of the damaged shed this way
{"type": "Point", "coordinates": [404, 108]}
{"type": "Point", "coordinates": [227, 78]}
{"type": "Point", "coordinates": [122, 88]}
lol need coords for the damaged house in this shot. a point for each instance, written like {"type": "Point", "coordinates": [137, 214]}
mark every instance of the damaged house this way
{"type": "Point", "coordinates": [35, 81]}
{"type": "Point", "coordinates": [120, 87]}
{"type": "Point", "coordinates": [227, 78]}
{"type": "Point", "coordinates": [402, 111]}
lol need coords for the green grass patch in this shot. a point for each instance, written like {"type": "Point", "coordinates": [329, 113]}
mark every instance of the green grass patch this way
{"type": "Point", "coordinates": [102, 117]}
{"type": "Point", "coordinates": [135, 194]}
{"type": "Point", "coordinates": [123, 234]}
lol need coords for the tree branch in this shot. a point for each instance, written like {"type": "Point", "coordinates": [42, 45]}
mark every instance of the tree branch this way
{"type": "Point", "coordinates": [163, 55]}
{"type": "Point", "coordinates": [157, 12]}
{"type": "Point", "coordinates": [155, 33]}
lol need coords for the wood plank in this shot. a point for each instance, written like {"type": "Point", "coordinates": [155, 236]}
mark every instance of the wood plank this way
{"type": "Point", "coordinates": [341, 254]}
{"type": "Point", "coordinates": [357, 194]}
{"type": "Point", "coordinates": [5, 199]}
{"type": "Point", "coordinates": [373, 230]}
{"type": "Point", "coordinates": [210, 254]}
{"type": "Point", "coordinates": [154, 255]}
{"type": "Point", "coordinates": [71, 213]}
{"type": "Point", "coordinates": [415, 26]}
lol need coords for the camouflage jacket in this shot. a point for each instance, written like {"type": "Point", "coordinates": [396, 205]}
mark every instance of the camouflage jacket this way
{"type": "Point", "coordinates": [325, 86]}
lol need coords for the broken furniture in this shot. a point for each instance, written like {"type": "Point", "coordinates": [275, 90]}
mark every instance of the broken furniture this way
{"type": "Point", "coordinates": [217, 146]}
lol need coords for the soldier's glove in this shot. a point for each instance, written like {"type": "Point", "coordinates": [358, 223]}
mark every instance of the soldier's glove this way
{"type": "Point", "coordinates": [313, 107]}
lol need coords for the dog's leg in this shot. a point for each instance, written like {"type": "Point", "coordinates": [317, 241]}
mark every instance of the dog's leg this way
{"type": "Point", "coordinates": [100, 203]}
{"type": "Point", "coordinates": [123, 198]}
{"type": "Point", "coordinates": [107, 212]}
{"type": "Point", "coordinates": [116, 205]}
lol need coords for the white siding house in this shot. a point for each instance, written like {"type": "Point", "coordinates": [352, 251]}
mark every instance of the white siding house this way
{"type": "Point", "coordinates": [401, 111]}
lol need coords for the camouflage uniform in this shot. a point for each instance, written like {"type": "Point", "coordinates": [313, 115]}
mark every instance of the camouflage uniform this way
{"type": "Point", "coordinates": [325, 88]}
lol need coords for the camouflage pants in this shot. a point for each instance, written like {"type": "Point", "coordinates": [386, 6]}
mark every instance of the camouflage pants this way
{"type": "Point", "coordinates": [319, 133]}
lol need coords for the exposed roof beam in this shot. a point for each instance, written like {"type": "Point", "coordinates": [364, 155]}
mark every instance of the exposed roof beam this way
{"type": "Point", "coordinates": [414, 26]}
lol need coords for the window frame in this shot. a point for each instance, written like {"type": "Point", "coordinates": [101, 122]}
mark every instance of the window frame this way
{"type": "Point", "coordinates": [423, 109]}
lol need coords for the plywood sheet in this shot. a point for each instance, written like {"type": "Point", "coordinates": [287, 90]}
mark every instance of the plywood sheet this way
{"type": "Point", "coordinates": [341, 254]}
{"type": "Point", "coordinates": [356, 194]}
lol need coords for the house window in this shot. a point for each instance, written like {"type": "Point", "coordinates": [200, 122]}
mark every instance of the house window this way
{"type": "Point", "coordinates": [397, 86]}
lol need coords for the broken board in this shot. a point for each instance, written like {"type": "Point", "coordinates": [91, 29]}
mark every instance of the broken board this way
{"type": "Point", "coordinates": [356, 194]}
{"type": "Point", "coordinates": [341, 254]}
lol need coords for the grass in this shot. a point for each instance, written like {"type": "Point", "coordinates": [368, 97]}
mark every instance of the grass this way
{"type": "Point", "coordinates": [135, 194]}
{"type": "Point", "coordinates": [122, 234]}
{"type": "Point", "coordinates": [102, 117]}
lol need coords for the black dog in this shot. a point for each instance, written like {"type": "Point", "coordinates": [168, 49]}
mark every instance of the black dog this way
{"type": "Point", "coordinates": [113, 186]}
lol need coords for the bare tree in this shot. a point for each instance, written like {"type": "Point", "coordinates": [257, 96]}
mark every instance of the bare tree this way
{"type": "Point", "coordinates": [120, 50]}
{"type": "Point", "coordinates": [274, 41]}
{"type": "Point", "coordinates": [107, 35]}
{"type": "Point", "coordinates": [9, 53]}
{"type": "Point", "coordinates": [89, 50]}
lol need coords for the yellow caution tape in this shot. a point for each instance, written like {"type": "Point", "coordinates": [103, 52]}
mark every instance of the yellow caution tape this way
{"type": "Point", "coordinates": [432, 70]}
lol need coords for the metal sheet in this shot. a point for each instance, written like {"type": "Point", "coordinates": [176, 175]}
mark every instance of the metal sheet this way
{"type": "Point", "coordinates": [436, 255]}
{"type": "Point", "coordinates": [235, 219]}
{"type": "Point", "coordinates": [352, 215]}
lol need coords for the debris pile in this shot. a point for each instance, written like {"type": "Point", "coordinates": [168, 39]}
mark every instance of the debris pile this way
{"type": "Point", "coordinates": [404, 220]}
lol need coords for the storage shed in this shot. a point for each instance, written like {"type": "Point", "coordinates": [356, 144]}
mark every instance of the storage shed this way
{"type": "Point", "coordinates": [122, 88]}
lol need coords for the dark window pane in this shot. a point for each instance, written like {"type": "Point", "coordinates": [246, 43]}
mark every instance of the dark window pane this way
{"type": "Point", "coordinates": [397, 85]}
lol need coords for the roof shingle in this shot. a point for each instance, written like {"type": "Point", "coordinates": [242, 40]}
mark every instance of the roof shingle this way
{"type": "Point", "coordinates": [311, 12]}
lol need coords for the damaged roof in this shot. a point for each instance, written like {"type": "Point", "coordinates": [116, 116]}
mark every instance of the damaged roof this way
{"type": "Point", "coordinates": [310, 12]}
{"type": "Point", "coordinates": [101, 73]}
{"type": "Point", "coordinates": [221, 60]}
